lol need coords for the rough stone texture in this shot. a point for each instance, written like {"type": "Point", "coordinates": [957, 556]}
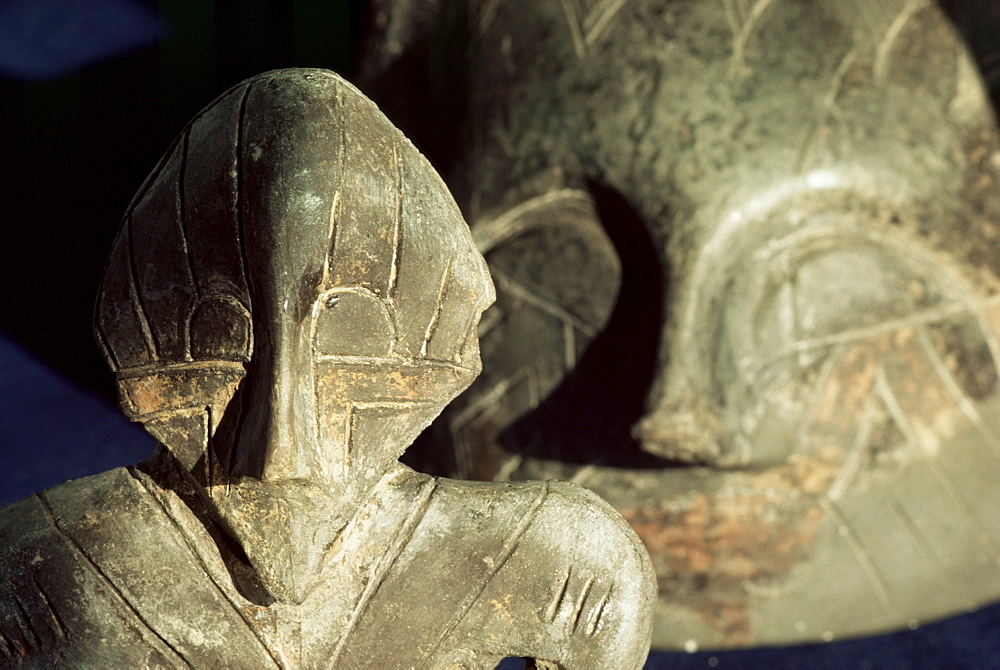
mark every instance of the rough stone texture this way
{"type": "Point", "coordinates": [292, 297]}
{"type": "Point", "coordinates": [803, 200]}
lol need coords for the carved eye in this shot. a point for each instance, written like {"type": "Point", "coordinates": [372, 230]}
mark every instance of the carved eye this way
{"type": "Point", "coordinates": [353, 323]}
{"type": "Point", "coordinates": [858, 287]}
{"type": "Point", "coordinates": [556, 286]}
{"type": "Point", "coordinates": [823, 298]}
{"type": "Point", "coordinates": [830, 345]}
{"type": "Point", "coordinates": [573, 268]}
{"type": "Point", "coordinates": [220, 331]}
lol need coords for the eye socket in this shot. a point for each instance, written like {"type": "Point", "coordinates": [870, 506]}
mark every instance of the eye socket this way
{"type": "Point", "coordinates": [803, 333]}
{"type": "Point", "coordinates": [855, 287]}
{"type": "Point", "coordinates": [220, 331]}
{"type": "Point", "coordinates": [353, 323]}
{"type": "Point", "coordinates": [819, 296]}
{"type": "Point", "coordinates": [573, 267]}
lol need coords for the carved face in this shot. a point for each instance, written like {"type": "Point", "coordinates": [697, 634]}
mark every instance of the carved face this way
{"type": "Point", "coordinates": [724, 157]}
{"type": "Point", "coordinates": [798, 203]}
{"type": "Point", "coordinates": [293, 297]}
{"type": "Point", "coordinates": [826, 325]}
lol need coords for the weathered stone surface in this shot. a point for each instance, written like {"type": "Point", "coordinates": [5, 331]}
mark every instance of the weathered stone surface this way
{"type": "Point", "coordinates": [292, 297]}
{"type": "Point", "coordinates": [793, 394]}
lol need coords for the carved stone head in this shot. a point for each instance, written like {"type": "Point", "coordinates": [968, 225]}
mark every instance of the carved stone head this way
{"type": "Point", "coordinates": [786, 344]}
{"type": "Point", "coordinates": [292, 297]}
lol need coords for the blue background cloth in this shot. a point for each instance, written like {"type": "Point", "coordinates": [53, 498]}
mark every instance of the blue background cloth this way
{"type": "Point", "coordinates": [51, 432]}
{"type": "Point", "coordinates": [48, 38]}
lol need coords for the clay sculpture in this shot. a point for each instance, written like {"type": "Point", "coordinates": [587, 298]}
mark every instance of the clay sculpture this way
{"type": "Point", "coordinates": [747, 265]}
{"type": "Point", "coordinates": [292, 297]}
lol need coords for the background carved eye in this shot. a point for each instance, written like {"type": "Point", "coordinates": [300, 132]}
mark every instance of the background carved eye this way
{"type": "Point", "coordinates": [220, 331]}
{"type": "Point", "coordinates": [353, 323]}
{"type": "Point", "coordinates": [571, 269]}
{"type": "Point", "coordinates": [824, 297]}
{"type": "Point", "coordinates": [558, 279]}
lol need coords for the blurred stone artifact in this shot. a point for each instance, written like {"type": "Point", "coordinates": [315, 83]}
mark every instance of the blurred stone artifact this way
{"type": "Point", "coordinates": [292, 297]}
{"type": "Point", "coordinates": [747, 260]}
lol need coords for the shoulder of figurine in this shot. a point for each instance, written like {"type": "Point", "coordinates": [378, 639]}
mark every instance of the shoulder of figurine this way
{"type": "Point", "coordinates": [40, 533]}
{"type": "Point", "coordinates": [68, 500]}
{"type": "Point", "coordinates": [574, 496]}
{"type": "Point", "coordinates": [403, 480]}
{"type": "Point", "coordinates": [590, 523]}
{"type": "Point", "coordinates": [114, 493]}
{"type": "Point", "coordinates": [539, 494]}
{"type": "Point", "coordinates": [22, 525]}
{"type": "Point", "coordinates": [547, 509]}
{"type": "Point", "coordinates": [108, 509]}
{"type": "Point", "coordinates": [583, 579]}
{"type": "Point", "coordinates": [551, 517]}
{"type": "Point", "coordinates": [473, 496]}
{"type": "Point", "coordinates": [602, 535]}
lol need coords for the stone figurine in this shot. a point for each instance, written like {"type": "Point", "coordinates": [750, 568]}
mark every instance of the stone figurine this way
{"type": "Point", "coordinates": [747, 259]}
{"type": "Point", "coordinates": [292, 297]}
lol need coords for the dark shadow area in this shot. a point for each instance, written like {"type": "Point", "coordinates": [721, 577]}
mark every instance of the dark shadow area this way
{"type": "Point", "coordinates": [978, 22]}
{"type": "Point", "coordinates": [424, 90]}
{"type": "Point", "coordinates": [589, 417]}
{"type": "Point", "coordinates": [166, 471]}
{"type": "Point", "coordinates": [76, 149]}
